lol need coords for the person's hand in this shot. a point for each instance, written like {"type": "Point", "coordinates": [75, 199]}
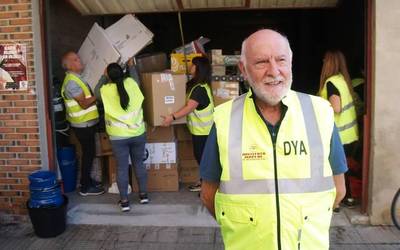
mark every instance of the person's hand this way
{"type": "Point", "coordinates": [167, 120]}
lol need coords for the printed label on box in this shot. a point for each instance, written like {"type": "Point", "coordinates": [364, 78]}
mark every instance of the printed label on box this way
{"type": "Point", "coordinates": [169, 99]}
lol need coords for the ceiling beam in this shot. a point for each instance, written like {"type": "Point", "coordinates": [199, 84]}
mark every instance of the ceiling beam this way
{"type": "Point", "coordinates": [180, 4]}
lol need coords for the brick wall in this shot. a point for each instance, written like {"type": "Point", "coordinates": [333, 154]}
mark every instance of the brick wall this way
{"type": "Point", "coordinates": [19, 127]}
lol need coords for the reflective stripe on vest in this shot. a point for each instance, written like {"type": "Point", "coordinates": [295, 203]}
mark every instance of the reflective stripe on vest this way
{"type": "Point", "coordinates": [346, 120]}
{"type": "Point", "coordinates": [237, 185]}
{"type": "Point", "coordinates": [199, 122]}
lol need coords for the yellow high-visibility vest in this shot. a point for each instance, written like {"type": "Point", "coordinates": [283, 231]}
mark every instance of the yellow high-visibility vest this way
{"type": "Point", "coordinates": [246, 201]}
{"type": "Point", "coordinates": [346, 120]}
{"type": "Point", "coordinates": [199, 122]}
{"type": "Point", "coordinates": [120, 122]}
{"type": "Point", "coordinates": [74, 112]}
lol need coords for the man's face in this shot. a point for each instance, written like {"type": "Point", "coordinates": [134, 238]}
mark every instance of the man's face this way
{"type": "Point", "coordinates": [267, 66]}
{"type": "Point", "coordinates": [74, 63]}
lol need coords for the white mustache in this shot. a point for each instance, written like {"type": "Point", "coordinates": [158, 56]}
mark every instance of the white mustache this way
{"type": "Point", "coordinates": [273, 79]}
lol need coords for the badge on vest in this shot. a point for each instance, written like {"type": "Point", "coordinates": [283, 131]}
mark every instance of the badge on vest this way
{"type": "Point", "coordinates": [294, 147]}
{"type": "Point", "coordinates": [254, 154]}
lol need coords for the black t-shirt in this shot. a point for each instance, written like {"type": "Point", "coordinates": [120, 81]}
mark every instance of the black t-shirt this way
{"type": "Point", "coordinates": [332, 90]}
{"type": "Point", "coordinates": [199, 94]}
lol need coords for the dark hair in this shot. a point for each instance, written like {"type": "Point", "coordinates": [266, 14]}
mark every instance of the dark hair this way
{"type": "Point", "coordinates": [116, 75]}
{"type": "Point", "coordinates": [202, 74]}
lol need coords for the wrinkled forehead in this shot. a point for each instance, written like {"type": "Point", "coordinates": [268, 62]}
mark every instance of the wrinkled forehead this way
{"type": "Point", "coordinates": [266, 44]}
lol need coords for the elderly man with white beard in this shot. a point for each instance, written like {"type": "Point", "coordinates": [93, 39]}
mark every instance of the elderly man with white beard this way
{"type": "Point", "coordinates": [273, 166]}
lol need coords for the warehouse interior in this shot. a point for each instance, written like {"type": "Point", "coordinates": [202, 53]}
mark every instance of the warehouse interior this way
{"type": "Point", "coordinates": [311, 31]}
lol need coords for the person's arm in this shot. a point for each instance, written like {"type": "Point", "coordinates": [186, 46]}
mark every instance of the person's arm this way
{"type": "Point", "coordinates": [340, 189]}
{"type": "Point", "coordinates": [85, 102]}
{"type": "Point", "coordinates": [334, 97]}
{"type": "Point", "coordinates": [337, 160]}
{"type": "Point", "coordinates": [210, 171]}
{"type": "Point", "coordinates": [207, 195]}
{"type": "Point", "coordinates": [188, 108]}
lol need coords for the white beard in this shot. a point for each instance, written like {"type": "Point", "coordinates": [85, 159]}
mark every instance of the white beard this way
{"type": "Point", "coordinates": [271, 98]}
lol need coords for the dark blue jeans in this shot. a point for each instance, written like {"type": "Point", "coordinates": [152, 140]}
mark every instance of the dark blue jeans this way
{"type": "Point", "coordinates": [122, 149]}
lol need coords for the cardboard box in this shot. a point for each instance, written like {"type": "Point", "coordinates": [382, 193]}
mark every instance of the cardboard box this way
{"type": "Point", "coordinates": [129, 36]}
{"type": "Point", "coordinates": [227, 60]}
{"type": "Point", "coordinates": [164, 94]}
{"type": "Point", "coordinates": [160, 178]}
{"type": "Point", "coordinates": [179, 62]}
{"type": "Point", "coordinates": [103, 144]}
{"type": "Point", "coordinates": [182, 132]}
{"type": "Point", "coordinates": [96, 52]}
{"type": "Point", "coordinates": [112, 169]}
{"type": "Point", "coordinates": [156, 62]}
{"type": "Point", "coordinates": [160, 153]}
{"type": "Point", "coordinates": [224, 91]}
{"type": "Point", "coordinates": [160, 134]}
{"type": "Point", "coordinates": [188, 171]}
{"type": "Point", "coordinates": [185, 150]}
{"type": "Point", "coordinates": [218, 70]}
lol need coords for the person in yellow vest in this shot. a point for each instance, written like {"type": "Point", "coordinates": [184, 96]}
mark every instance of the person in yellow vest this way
{"type": "Point", "coordinates": [198, 110]}
{"type": "Point", "coordinates": [123, 115]}
{"type": "Point", "coordinates": [273, 157]}
{"type": "Point", "coordinates": [82, 114]}
{"type": "Point", "coordinates": [336, 87]}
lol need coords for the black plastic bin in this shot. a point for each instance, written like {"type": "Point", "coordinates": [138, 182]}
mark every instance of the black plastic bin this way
{"type": "Point", "coordinates": [49, 222]}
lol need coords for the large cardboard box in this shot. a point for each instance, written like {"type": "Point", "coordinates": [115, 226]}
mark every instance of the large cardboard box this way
{"type": "Point", "coordinates": [224, 91]}
{"type": "Point", "coordinates": [188, 171]}
{"type": "Point", "coordinates": [129, 36]}
{"type": "Point", "coordinates": [160, 153]}
{"type": "Point", "coordinates": [179, 62]}
{"type": "Point", "coordinates": [160, 134]}
{"type": "Point", "coordinates": [96, 52]}
{"type": "Point", "coordinates": [103, 144]}
{"type": "Point", "coordinates": [160, 178]}
{"type": "Point", "coordinates": [164, 94]}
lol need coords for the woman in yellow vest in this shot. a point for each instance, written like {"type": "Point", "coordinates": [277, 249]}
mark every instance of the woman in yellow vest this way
{"type": "Point", "coordinates": [198, 110]}
{"type": "Point", "coordinates": [123, 114]}
{"type": "Point", "coordinates": [336, 87]}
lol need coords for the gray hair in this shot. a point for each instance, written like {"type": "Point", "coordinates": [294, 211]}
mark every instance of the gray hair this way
{"type": "Point", "coordinates": [65, 59]}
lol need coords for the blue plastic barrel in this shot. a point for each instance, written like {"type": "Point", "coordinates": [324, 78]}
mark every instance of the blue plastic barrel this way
{"type": "Point", "coordinates": [68, 166]}
{"type": "Point", "coordinates": [44, 189]}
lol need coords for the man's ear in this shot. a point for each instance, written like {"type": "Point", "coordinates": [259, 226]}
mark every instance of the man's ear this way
{"type": "Point", "coordinates": [242, 69]}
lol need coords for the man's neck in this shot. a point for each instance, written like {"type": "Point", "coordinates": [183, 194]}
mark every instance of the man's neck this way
{"type": "Point", "coordinates": [270, 113]}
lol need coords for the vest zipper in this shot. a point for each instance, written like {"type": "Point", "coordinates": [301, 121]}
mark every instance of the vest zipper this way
{"type": "Point", "coordinates": [278, 214]}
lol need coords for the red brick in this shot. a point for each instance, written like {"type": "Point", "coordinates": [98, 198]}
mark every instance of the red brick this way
{"type": "Point", "coordinates": [19, 7]}
{"type": "Point", "coordinates": [31, 97]}
{"type": "Point", "coordinates": [7, 155]}
{"type": "Point", "coordinates": [25, 103]}
{"type": "Point", "coordinates": [29, 168]}
{"type": "Point", "coordinates": [14, 110]}
{"type": "Point", "coordinates": [33, 136]}
{"type": "Point", "coordinates": [3, 37]}
{"type": "Point", "coordinates": [9, 193]}
{"type": "Point", "coordinates": [17, 149]}
{"type": "Point", "coordinates": [26, 117]}
{"type": "Point", "coordinates": [8, 15]}
{"type": "Point", "coordinates": [13, 97]}
{"type": "Point", "coordinates": [28, 143]}
{"type": "Point", "coordinates": [21, 36]}
{"type": "Point", "coordinates": [31, 110]}
{"type": "Point", "coordinates": [6, 117]}
{"type": "Point", "coordinates": [34, 149]}
{"type": "Point", "coordinates": [5, 104]}
{"type": "Point", "coordinates": [6, 143]}
{"type": "Point", "coordinates": [8, 1]}
{"type": "Point", "coordinates": [17, 162]}
{"type": "Point", "coordinates": [32, 123]}
{"type": "Point", "coordinates": [7, 130]}
{"type": "Point", "coordinates": [36, 162]}
{"type": "Point", "coordinates": [19, 187]}
{"type": "Point", "coordinates": [29, 155]}
{"type": "Point", "coordinates": [25, 14]}
{"type": "Point", "coordinates": [21, 21]}
{"type": "Point", "coordinates": [10, 29]}
{"type": "Point", "coordinates": [15, 136]}
{"type": "Point", "coordinates": [26, 29]}
{"type": "Point", "coordinates": [2, 163]}
{"type": "Point", "coordinates": [8, 181]}
{"type": "Point", "coordinates": [8, 168]}
{"type": "Point", "coordinates": [27, 130]}
{"type": "Point", "coordinates": [14, 123]}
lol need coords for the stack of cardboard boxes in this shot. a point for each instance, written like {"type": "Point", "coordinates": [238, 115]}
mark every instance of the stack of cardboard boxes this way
{"type": "Point", "coordinates": [188, 167]}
